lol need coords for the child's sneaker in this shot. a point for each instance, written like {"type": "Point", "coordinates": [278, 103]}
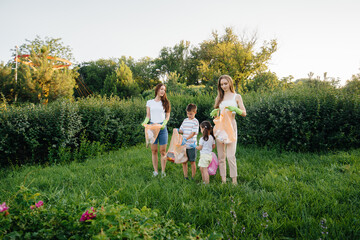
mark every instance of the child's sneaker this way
{"type": "Point", "coordinates": [163, 174]}
{"type": "Point", "coordinates": [155, 174]}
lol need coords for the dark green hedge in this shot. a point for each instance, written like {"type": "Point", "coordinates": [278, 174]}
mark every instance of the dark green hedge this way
{"type": "Point", "coordinates": [300, 119]}
{"type": "Point", "coordinates": [27, 133]}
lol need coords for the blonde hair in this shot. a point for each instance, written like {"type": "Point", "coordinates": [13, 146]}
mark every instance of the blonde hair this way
{"type": "Point", "coordinates": [220, 96]}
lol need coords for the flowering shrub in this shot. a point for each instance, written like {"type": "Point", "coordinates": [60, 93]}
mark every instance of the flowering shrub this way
{"type": "Point", "coordinates": [109, 221]}
{"type": "Point", "coordinates": [87, 215]}
{"type": "Point", "coordinates": [3, 207]}
{"type": "Point", "coordinates": [37, 205]}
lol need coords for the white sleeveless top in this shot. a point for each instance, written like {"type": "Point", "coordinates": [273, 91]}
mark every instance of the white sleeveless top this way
{"type": "Point", "coordinates": [226, 103]}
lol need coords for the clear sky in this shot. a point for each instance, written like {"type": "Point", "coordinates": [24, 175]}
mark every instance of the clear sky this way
{"type": "Point", "coordinates": [313, 35]}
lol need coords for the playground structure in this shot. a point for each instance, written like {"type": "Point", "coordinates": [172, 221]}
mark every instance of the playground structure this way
{"type": "Point", "coordinates": [66, 64]}
{"type": "Point", "coordinates": [81, 88]}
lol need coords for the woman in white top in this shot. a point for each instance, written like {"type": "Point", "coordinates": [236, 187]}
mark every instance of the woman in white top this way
{"type": "Point", "coordinates": [227, 99]}
{"type": "Point", "coordinates": [158, 111]}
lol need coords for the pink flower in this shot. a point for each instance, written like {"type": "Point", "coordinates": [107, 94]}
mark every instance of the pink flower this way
{"type": "Point", "coordinates": [3, 207]}
{"type": "Point", "coordinates": [38, 204]}
{"type": "Point", "coordinates": [87, 215]}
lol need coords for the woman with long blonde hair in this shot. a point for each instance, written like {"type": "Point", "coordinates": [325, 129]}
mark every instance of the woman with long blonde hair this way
{"type": "Point", "coordinates": [228, 99]}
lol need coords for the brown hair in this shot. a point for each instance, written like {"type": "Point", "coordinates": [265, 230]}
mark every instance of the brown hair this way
{"type": "Point", "coordinates": [220, 96]}
{"type": "Point", "coordinates": [191, 107]}
{"type": "Point", "coordinates": [208, 130]}
{"type": "Point", "coordinates": [164, 100]}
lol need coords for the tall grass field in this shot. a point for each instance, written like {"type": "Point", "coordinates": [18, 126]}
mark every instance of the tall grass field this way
{"type": "Point", "coordinates": [279, 196]}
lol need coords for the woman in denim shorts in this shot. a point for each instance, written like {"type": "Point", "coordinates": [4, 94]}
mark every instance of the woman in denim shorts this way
{"type": "Point", "coordinates": [158, 111]}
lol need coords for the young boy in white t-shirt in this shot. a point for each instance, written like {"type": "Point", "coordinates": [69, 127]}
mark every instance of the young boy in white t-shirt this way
{"type": "Point", "coordinates": [190, 129]}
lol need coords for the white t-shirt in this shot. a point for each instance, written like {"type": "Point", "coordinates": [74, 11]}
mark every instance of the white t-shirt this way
{"type": "Point", "coordinates": [207, 145]}
{"type": "Point", "coordinates": [157, 111]}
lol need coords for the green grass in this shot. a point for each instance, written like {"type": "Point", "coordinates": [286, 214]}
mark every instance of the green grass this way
{"type": "Point", "coordinates": [279, 195]}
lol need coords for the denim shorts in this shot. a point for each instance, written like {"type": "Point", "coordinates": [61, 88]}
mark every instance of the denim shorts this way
{"type": "Point", "coordinates": [191, 154]}
{"type": "Point", "coordinates": [162, 138]}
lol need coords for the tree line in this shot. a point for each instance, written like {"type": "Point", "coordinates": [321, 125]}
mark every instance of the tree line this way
{"type": "Point", "coordinates": [184, 68]}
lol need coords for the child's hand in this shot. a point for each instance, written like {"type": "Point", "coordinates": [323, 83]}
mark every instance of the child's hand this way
{"type": "Point", "coordinates": [193, 145]}
{"type": "Point", "coordinates": [183, 141]}
{"type": "Point", "coordinates": [175, 129]}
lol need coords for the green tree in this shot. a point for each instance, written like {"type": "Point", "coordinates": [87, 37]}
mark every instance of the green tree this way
{"type": "Point", "coordinates": [191, 67]}
{"type": "Point", "coordinates": [353, 86]}
{"type": "Point", "coordinates": [40, 80]}
{"type": "Point", "coordinates": [173, 85]}
{"type": "Point", "coordinates": [121, 83]}
{"type": "Point", "coordinates": [237, 57]}
{"type": "Point", "coordinates": [94, 73]}
{"type": "Point", "coordinates": [181, 59]}
{"type": "Point", "coordinates": [314, 83]}
{"type": "Point", "coordinates": [265, 81]}
{"type": "Point", "coordinates": [7, 82]}
{"type": "Point", "coordinates": [144, 72]}
{"type": "Point", "coordinates": [286, 82]}
{"type": "Point", "coordinates": [54, 46]}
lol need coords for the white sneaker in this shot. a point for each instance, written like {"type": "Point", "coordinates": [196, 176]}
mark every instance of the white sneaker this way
{"type": "Point", "coordinates": [163, 174]}
{"type": "Point", "coordinates": [155, 174]}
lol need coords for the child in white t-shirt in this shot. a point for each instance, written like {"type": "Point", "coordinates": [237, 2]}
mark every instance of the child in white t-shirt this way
{"type": "Point", "coordinates": [206, 145]}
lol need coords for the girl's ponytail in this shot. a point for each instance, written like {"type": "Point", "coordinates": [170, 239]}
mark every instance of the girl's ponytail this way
{"type": "Point", "coordinates": [208, 130]}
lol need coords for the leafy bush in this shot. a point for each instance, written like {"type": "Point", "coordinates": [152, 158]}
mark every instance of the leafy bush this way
{"type": "Point", "coordinates": [309, 117]}
{"type": "Point", "coordinates": [306, 118]}
{"type": "Point", "coordinates": [63, 128]}
{"type": "Point", "coordinates": [111, 121]}
{"type": "Point", "coordinates": [29, 218]}
{"type": "Point", "coordinates": [28, 132]}
{"type": "Point", "coordinates": [204, 103]}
